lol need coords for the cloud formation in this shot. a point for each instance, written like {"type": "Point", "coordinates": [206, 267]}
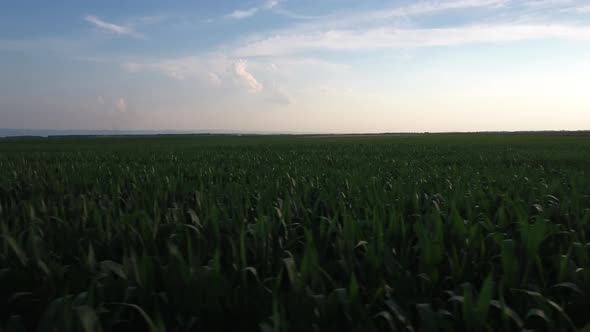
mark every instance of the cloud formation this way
{"type": "Point", "coordinates": [248, 63]}
{"type": "Point", "coordinates": [391, 14]}
{"type": "Point", "coordinates": [396, 27]}
{"type": "Point", "coordinates": [277, 95]}
{"type": "Point", "coordinates": [111, 27]}
{"type": "Point", "coordinates": [121, 105]}
{"type": "Point", "coordinates": [244, 77]}
{"type": "Point", "coordinates": [431, 7]}
{"type": "Point", "coordinates": [213, 69]}
{"type": "Point", "coordinates": [582, 9]}
{"type": "Point", "coordinates": [214, 79]}
{"type": "Point", "coordinates": [237, 14]}
{"type": "Point", "coordinates": [240, 14]}
{"type": "Point", "coordinates": [177, 68]}
{"type": "Point", "coordinates": [271, 4]}
{"type": "Point", "coordinates": [381, 38]}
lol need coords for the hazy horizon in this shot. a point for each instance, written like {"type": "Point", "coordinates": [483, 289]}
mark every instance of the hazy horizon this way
{"type": "Point", "coordinates": [333, 66]}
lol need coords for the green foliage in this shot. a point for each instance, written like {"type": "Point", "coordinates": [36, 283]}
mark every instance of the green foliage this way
{"type": "Point", "coordinates": [189, 233]}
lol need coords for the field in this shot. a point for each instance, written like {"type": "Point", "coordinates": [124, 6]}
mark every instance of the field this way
{"type": "Point", "coordinates": [284, 233]}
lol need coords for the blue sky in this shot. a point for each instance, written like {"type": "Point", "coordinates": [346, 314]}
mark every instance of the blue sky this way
{"type": "Point", "coordinates": [295, 65]}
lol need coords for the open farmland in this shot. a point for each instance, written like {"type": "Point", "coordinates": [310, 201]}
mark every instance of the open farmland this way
{"type": "Point", "coordinates": [286, 233]}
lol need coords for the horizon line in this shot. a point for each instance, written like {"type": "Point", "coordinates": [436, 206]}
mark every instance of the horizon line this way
{"type": "Point", "coordinates": [41, 133]}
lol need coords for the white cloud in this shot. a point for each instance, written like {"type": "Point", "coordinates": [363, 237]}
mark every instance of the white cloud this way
{"type": "Point", "coordinates": [121, 105]}
{"type": "Point", "coordinates": [547, 3]}
{"type": "Point", "coordinates": [100, 100]}
{"type": "Point", "coordinates": [277, 95]}
{"type": "Point", "coordinates": [290, 56]}
{"type": "Point", "coordinates": [201, 67]}
{"type": "Point", "coordinates": [329, 89]}
{"type": "Point", "coordinates": [212, 69]}
{"type": "Point", "coordinates": [238, 14]}
{"type": "Point", "coordinates": [218, 68]}
{"type": "Point", "coordinates": [393, 28]}
{"type": "Point", "coordinates": [389, 15]}
{"type": "Point", "coordinates": [245, 78]}
{"type": "Point", "coordinates": [582, 9]}
{"type": "Point", "coordinates": [394, 38]}
{"type": "Point", "coordinates": [179, 69]}
{"type": "Point", "coordinates": [429, 7]}
{"type": "Point", "coordinates": [118, 29]}
{"type": "Point", "coordinates": [214, 79]}
{"type": "Point", "coordinates": [270, 4]}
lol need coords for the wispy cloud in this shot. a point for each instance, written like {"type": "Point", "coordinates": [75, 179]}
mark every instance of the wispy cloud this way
{"type": "Point", "coordinates": [111, 27]}
{"type": "Point", "coordinates": [121, 105]}
{"type": "Point", "coordinates": [568, 6]}
{"type": "Point", "coordinates": [183, 68]}
{"type": "Point", "coordinates": [240, 14]}
{"type": "Point", "coordinates": [216, 68]}
{"type": "Point", "coordinates": [582, 9]}
{"type": "Point", "coordinates": [214, 79]}
{"type": "Point", "coordinates": [244, 77]}
{"type": "Point", "coordinates": [113, 106]}
{"type": "Point", "coordinates": [393, 28]}
{"type": "Point", "coordinates": [237, 14]}
{"type": "Point", "coordinates": [271, 4]}
{"type": "Point", "coordinates": [393, 38]}
{"type": "Point", "coordinates": [243, 65]}
{"type": "Point", "coordinates": [277, 95]}
{"type": "Point", "coordinates": [547, 3]}
{"type": "Point", "coordinates": [389, 14]}
{"type": "Point", "coordinates": [429, 7]}
{"type": "Point", "coordinates": [212, 69]}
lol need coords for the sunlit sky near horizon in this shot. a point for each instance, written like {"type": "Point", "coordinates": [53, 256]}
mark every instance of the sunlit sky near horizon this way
{"type": "Point", "coordinates": [295, 65]}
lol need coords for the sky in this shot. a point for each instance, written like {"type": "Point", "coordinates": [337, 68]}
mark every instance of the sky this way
{"type": "Point", "coordinates": [323, 66]}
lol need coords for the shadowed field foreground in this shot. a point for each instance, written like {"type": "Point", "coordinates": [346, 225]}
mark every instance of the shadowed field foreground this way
{"type": "Point", "coordinates": [187, 233]}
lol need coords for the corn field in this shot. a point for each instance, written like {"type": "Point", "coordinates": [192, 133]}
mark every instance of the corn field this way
{"type": "Point", "coordinates": [291, 233]}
